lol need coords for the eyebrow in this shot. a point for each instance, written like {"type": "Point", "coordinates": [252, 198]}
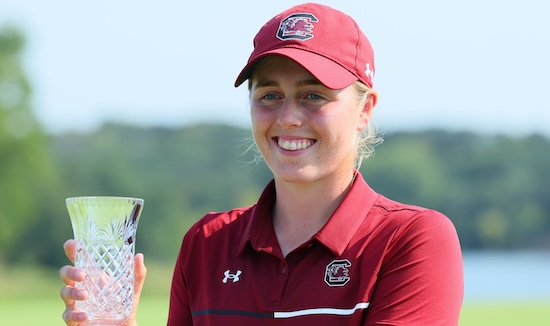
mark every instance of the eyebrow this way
{"type": "Point", "coordinates": [268, 82]}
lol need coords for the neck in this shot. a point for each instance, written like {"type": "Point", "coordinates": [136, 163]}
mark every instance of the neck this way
{"type": "Point", "coordinates": [302, 209]}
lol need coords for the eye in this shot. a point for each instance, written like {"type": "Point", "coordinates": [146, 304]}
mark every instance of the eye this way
{"type": "Point", "coordinates": [269, 97]}
{"type": "Point", "coordinates": [314, 97]}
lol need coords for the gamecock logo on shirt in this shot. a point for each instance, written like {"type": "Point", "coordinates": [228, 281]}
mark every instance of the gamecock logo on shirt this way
{"type": "Point", "coordinates": [337, 272]}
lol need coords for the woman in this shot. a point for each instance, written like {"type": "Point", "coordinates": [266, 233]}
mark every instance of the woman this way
{"type": "Point", "coordinates": [320, 246]}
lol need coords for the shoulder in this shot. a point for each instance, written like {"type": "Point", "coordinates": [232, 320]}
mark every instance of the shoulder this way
{"type": "Point", "coordinates": [215, 222]}
{"type": "Point", "coordinates": [403, 224]}
{"type": "Point", "coordinates": [212, 231]}
{"type": "Point", "coordinates": [400, 214]}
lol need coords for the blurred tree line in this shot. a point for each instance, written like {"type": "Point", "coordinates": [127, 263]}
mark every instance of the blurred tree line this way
{"type": "Point", "coordinates": [495, 188]}
{"type": "Point", "coordinates": [29, 179]}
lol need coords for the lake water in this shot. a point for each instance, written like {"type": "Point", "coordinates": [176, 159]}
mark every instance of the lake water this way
{"type": "Point", "coordinates": [506, 276]}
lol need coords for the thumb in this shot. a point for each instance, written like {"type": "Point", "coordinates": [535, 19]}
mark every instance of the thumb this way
{"type": "Point", "coordinates": [140, 271]}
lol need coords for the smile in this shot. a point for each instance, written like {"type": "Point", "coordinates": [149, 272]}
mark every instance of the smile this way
{"type": "Point", "coordinates": [294, 144]}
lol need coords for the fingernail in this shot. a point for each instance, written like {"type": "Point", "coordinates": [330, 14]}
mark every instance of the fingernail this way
{"type": "Point", "coordinates": [80, 294]}
{"type": "Point", "coordinates": [79, 275]}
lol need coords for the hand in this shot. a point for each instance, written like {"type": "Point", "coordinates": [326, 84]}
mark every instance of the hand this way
{"type": "Point", "coordinates": [69, 293]}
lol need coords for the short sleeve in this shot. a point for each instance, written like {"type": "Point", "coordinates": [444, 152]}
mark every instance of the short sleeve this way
{"type": "Point", "coordinates": [421, 279]}
{"type": "Point", "coordinates": [180, 312]}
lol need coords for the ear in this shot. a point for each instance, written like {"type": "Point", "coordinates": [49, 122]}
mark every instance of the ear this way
{"type": "Point", "coordinates": [368, 108]}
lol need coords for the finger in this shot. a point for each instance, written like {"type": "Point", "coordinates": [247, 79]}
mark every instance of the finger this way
{"type": "Point", "coordinates": [70, 274]}
{"type": "Point", "coordinates": [74, 318]}
{"type": "Point", "coordinates": [70, 249]}
{"type": "Point", "coordinates": [70, 315]}
{"type": "Point", "coordinates": [69, 294]}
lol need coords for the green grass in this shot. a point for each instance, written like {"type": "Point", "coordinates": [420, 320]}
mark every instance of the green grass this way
{"type": "Point", "coordinates": [30, 296]}
{"type": "Point", "coordinates": [46, 311]}
{"type": "Point", "coordinates": [505, 314]}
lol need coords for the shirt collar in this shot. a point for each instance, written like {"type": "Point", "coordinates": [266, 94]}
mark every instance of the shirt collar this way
{"type": "Point", "coordinates": [335, 235]}
{"type": "Point", "coordinates": [260, 232]}
{"type": "Point", "coordinates": [346, 219]}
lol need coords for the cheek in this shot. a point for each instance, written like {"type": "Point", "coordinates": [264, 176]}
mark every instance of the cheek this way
{"type": "Point", "coordinates": [260, 126]}
{"type": "Point", "coordinates": [257, 118]}
{"type": "Point", "coordinates": [349, 130]}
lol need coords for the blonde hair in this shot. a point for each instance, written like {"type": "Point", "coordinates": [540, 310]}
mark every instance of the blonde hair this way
{"type": "Point", "coordinates": [369, 137]}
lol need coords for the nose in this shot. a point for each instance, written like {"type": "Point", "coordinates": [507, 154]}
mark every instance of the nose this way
{"type": "Point", "coordinates": [290, 114]}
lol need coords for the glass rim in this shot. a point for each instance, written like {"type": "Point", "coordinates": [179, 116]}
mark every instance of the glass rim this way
{"type": "Point", "coordinates": [73, 198]}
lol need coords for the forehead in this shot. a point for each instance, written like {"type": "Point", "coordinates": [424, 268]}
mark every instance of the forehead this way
{"type": "Point", "coordinates": [280, 67]}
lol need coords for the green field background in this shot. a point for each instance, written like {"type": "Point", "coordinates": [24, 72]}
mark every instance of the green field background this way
{"type": "Point", "coordinates": [30, 296]}
{"type": "Point", "coordinates": [153, 311]}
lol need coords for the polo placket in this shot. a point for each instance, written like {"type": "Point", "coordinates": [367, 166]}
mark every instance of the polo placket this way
{"type": "Point", "coordinates": [278, 285]}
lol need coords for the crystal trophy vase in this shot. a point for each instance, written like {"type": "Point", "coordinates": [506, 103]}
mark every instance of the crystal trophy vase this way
{"type": "Point", "coordinates": [105, 233]}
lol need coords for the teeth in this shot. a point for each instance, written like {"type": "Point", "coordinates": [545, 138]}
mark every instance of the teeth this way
{"type": "Point", "coordinates": [293, 145]}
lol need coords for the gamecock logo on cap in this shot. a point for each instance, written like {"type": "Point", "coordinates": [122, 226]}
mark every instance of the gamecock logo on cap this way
{"type": "Point", "coordinates": [297, 27]}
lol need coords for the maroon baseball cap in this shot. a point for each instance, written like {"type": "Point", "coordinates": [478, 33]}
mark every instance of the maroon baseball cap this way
{"type": "Point", "coordinates": [326, 42]}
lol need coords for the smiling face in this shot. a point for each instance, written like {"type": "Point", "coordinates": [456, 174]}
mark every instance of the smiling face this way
{"type": "Point", "coordinates": [305, 131]}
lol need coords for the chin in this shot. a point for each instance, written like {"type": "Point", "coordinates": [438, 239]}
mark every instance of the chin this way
{"type": "Point", "coordinates": [299, 175]}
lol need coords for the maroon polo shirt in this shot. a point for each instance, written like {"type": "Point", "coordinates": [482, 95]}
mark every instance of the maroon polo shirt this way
{"type": "Point", "coordinates": [376, 261]}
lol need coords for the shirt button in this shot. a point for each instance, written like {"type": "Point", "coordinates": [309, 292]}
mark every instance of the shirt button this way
{"type": "Point", "coordinates": [283, 270]}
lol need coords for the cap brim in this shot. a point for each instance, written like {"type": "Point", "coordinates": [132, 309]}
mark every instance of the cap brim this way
{"type": "Point", "coordinates": [328, 72]}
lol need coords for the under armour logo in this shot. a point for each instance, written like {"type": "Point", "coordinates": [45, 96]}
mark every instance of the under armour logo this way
{"type": "Point", "coordinates": [229, 276]}
{"type": "Point", "coordinates": [369, 72]}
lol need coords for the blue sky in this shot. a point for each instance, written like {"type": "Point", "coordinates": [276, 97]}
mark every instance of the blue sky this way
{"type": "Point", "coordinates": [461, 65]}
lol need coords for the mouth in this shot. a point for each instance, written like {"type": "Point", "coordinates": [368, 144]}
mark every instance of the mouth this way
{"type": "Point", "coordinates": [294, 144]}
